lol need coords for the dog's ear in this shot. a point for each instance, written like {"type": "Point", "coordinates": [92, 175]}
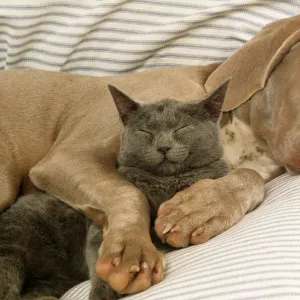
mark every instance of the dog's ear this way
{"type": "Point", "coordinates": [125, 105]}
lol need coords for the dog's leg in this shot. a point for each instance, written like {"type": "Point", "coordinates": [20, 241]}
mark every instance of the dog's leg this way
{"type": "Point", "coordinates": [9, 178]}
{"type": "Point", "coordinates": [208, 208]}
{"type": "Point", "coordinates": [88, 180]}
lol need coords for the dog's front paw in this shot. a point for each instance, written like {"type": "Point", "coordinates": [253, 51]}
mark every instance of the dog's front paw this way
{"type": "Point", "coordinates": [129, 262]}
{"type": "Point", "coordinates": [195, 215]}
{"type": "Point", "coordinates": [208, 207]}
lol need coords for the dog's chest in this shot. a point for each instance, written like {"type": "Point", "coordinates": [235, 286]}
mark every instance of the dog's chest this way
{"type": "Point", "coordinates": [242, 150]}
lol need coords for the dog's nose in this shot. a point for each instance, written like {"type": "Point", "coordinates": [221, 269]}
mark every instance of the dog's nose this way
{"type": "Point", "coordinates": [163, 150]}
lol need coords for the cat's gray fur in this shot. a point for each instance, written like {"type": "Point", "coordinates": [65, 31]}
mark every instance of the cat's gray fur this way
{"type": "Point", "coordinates": [47, 247]}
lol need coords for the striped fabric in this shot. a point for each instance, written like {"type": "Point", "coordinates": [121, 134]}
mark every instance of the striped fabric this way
{"type": "Point", "coordinates": [107, 37]}
{"type": "Point", "coordinates": [257, 259]}
{"type": "Point", "coordinates": [260, 257]}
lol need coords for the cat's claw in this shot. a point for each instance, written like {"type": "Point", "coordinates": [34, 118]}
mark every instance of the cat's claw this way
{"type": "Point", "coordinates": [129, 262]}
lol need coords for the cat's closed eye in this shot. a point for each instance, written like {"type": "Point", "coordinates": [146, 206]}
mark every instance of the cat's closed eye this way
{"type": "Point", "coordinates": [181, 130]}
{"type": "Point", "coordinates": [145, 133]}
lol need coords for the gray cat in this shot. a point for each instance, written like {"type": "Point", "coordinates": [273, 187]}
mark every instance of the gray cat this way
{"type": "Point", "coordinates": [47, 247]}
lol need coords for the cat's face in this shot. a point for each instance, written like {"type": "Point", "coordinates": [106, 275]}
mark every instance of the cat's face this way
{"type": "Point", "coordinates": [168, 137]}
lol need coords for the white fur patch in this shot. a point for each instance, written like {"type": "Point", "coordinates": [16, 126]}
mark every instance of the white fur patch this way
{"type": "Point", "coordinates": [242, 150]}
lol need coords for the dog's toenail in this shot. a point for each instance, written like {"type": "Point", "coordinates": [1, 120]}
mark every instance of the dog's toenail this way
{"type": "Point", "coordinates": [167, 228]}
{"type": "Point", "coordinates": [198, 231]}
{"type": "Point", "coordinates": [176, 228]}
{"type": "Point", "coordinates": [116, 261]}
{"type": "Point", "coordinates": [134, 269]}
{"type": "Point", "coordinates": [144, 265]}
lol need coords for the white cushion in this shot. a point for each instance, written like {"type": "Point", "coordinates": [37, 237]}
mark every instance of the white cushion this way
{"type": "Point", "coordinates": [259, 258]}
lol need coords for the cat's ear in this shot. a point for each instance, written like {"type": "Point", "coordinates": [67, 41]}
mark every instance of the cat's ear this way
{"type": "Point", "coordinates": [213, 102]}
{"type": "Point", "coordinates": [125, 105]}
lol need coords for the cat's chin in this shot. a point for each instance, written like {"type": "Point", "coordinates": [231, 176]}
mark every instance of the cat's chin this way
{"type": "Point", "coordinates": [167, 168]}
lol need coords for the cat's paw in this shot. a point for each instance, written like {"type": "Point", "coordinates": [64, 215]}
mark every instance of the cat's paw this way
{"type": "Point", "coordinates": [129, 262]}
{"type": "Point", "coordinates": [197, 214]}
{"type": "Point", "coordinates": [101, 291]}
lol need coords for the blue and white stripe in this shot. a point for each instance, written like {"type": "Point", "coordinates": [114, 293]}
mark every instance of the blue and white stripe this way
{"type": "Point", "coordinates": [107, 37]}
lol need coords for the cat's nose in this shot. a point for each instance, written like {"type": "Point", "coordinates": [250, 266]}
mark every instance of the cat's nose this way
{"type": "Point", "coordinates": [163, 150]}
